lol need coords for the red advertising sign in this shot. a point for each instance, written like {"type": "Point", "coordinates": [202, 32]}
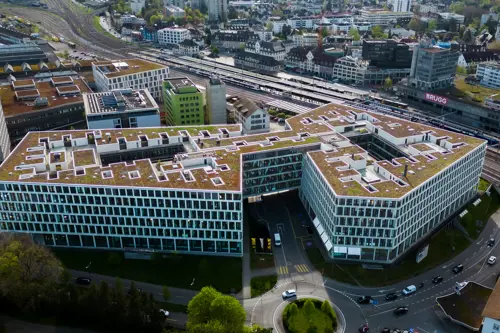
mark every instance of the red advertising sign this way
{"type": "Point", "coordinates": [436, 99]}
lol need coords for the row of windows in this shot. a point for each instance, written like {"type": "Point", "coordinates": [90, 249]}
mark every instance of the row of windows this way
{"type": "Point", "coordinates": [118, 193]}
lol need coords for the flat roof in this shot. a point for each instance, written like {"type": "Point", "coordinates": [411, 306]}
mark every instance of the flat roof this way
{"type": "Point", "coordinates": [214, 158]}
{"type": "Point", "coordinates": [118, 68]}
{"type": "Point", "coordinates": [12, 106]}
{"type": "Point", "coordinates": [125, 100]}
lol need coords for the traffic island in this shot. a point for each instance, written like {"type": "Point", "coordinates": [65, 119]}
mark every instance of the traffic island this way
{"type": "Point", "coordinates": [310, 315]}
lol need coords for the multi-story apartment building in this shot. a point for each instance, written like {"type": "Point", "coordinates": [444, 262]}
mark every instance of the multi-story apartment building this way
{"type": "Point", "coordinates": [257, 62]}
{"type": "Point", "coordinates": [381, 17]}
{"type": "Point", "coordinates": [184, 102]}
{"type": "Point", "coordinates": [387, 53]}
{"type": "Point", "coordinates": [371, 197]}
{"type": "Point", "coordinates": [428, 8]}
{"type": "Point", "coordinates": [432, 67]}
{"type": "Point", "coordinates": [170, 36]}
{"type": "Point", "coordinates": [233, 40]}
{"type": "Point", "coordinates": [56, 103]}
{"type": "Point", "coordinates": [302, 22]}
{"type": "Point", "coordinates": [401, 6]}
{"type": "Point", "coordinates": [217, 10]}
{"type": "Point", "coordinates": [187, 47]}
{"type": "Point", "coordinates": [4, 136]}
{"type": "Point", "coordinates": [253, 119]}
{"type": "Point", "coordinates": [275, 49]}
{"type": "Point", "coordinates": [130, 74]}
{"type": "Point", "coordinates": [489, 74]}
{"type": "Point", "coordinates": [137, 5]}
{"type": "Point", "coordinates": [311, 60]}
{"type": "Point", "coordinates": [121, 109]}
{"type": "Point", "coordinates": [351, 70]}
{"type": "Point", "coordinates": [216, 101]}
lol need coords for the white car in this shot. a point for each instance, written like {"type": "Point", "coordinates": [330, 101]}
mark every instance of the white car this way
{"type": "Point", "coordinates": [165, 313]}
{"type": "Point", "coordinates": [289, 294]}
{"type": "Point", "coordinates": [492, 260]}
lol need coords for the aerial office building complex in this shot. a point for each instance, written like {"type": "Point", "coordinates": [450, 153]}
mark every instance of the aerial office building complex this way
{"type": "Point", "coordinates": [121, 109]}
{"type": "Point", "coordinates": [184, 104]}
{"type": "Point", "coordinates": [373, 185]}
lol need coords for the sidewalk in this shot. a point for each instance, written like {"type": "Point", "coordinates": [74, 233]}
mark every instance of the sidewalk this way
{"type": "Point", "coordinates": [178, 295]}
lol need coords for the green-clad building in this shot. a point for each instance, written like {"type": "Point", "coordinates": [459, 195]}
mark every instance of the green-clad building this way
{"type": "Point", "coordinates": [184, 102]}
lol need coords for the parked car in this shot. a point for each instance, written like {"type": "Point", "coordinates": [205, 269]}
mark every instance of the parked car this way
{"type": "Point", "coordinates": [491, 242]}
{"type": "Point", "coordinates": [391, 297]}
{"type": "Point", "coordinates": [165, 313]}
{"type": "Point", "coordinates": [492, 260]}
{"type": "Point", "coordinates": [385, 330]}
{"type": "Point", "coordinates": [289, 294]}
{"type": "Point", "coordinates": [437, 279]}
{"type": "Point", "coordinates": [84, 281]}
{"type": "Point", "coordinates": [458, 268]}
{"type": "Point", "coordinates": [401, 310]}
{"type": "Point", "coordinates": [364, 299]}
{"type": "Point", "coordinates": [409, 290]}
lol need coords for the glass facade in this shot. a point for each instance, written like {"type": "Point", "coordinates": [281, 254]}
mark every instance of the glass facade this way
{"type": "Point", "coordinates": [113, 217]}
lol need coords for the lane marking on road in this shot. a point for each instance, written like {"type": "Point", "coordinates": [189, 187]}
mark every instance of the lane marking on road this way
{"type": "Point", "coordinates": [480, 241]}
{"type": "Point", "coordinates": [421, 329]}
{"type": "Point", "coordinates": [282, 270]}
{"type": "Point", "coordinates": [302, 268]}
{"type": "Point", "coordinates": [446, 266]}
{"type": "Point", "coordinates": [385, 290]}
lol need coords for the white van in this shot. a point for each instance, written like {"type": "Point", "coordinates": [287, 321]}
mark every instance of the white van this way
{"type": "Point", "coordinates": [409, 290]}
{"type": "Point", "coordinates": [277, 239]}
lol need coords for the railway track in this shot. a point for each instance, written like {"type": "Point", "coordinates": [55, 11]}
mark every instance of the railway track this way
{"type": "Point", "coordinates": [491, 167]}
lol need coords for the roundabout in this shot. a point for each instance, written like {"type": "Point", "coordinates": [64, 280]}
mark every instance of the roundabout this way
{"type": "Point", "coordinates": [268, 309]}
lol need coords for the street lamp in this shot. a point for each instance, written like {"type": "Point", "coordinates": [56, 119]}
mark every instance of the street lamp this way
{"type": "Point", "coordinates": [87, 268]}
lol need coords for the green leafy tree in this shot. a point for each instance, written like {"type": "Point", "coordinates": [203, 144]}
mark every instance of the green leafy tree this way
{"type": "Point", "coordinates": [28, 272]}
{"type": "Point", "coordinates": [354, 33]}
{"type": "Point", "coordinates": [157, 258]}
{"type": "Point", "coordinates": [228, 311]}
{"type": "Point", "coordinates": [324, 32]}
{"type": "Point", "coordinates": [199, 306]}
{"type": "Point", "coordinates": [293, 310]}
{"type": "Point", "coordinates": [388, 83]}
{"type": "Point", "coordinates": [166, 293]}
{"type": "Point", "coordinates": [328, 330]}
{"type": "Point", "coordinates": [468, 38]}
{"type": "Point", "coordinates": [457, 7]}
{"type": "Point", "coordinates": [309, 307]}
{"type": "Point", "coordinates": [103, 301]}
{"type": "Point", "coordinates": [90, 302]}
{"type": "Point", "coordinates": [461, 70]}
{"type": "Point", "coordinates": [269, 26]}
{"type": "Point", "coordinates": [378, 32]}
{"type": "Point", "coordinates": [281, 115]}
{"type": "Point", "coordinates": [329, 5]}
{"type": "Point", "coordinates": [326, 308]}
{"type": "Point", "coordinates": [232, 13]}
{"type": "Point", "coordinates": [134, 313]}
{"type": "Point", "coordinates": [272, 112]}
{"type": "Point", "coordinates": [414, 24]}
{"type": "Point", "coordinates": [118, 304]}
{"type": "Point", "coordinates": [432, 25]}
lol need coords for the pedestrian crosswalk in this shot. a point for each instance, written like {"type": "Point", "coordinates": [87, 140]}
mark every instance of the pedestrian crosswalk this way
{"type": "Point", "coordinates": [282, 270]}
{"type": "Point", "coordinates": [302, 268]}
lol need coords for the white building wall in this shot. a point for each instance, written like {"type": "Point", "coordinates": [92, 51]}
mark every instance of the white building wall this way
{"type": "Point", "coordinates": [172, 35]}
{"type": "Point", "coordinates": [4, 136]}
{"type": "Point", "coordinates": [491, 325]}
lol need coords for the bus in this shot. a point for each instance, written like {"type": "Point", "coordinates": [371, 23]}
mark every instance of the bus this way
{"type": "Point", "coordinates": [72, 45]}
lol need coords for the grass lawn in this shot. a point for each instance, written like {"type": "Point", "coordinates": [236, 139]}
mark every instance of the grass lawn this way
{"type": "Point", "coordinates": [223, 273]}
{"type": "Point", "coordinates": [262, 284]}
{"type": "Point", "coordinates": [302, 321]}
{"type": "Point", "coordinates": [440, 250]}
{"type": "Point", "coordinates": [483, 185]}
{"type": "Point", "coordinates": [471, 92]}
{"type": "Point", "coordinates": [477, 216]}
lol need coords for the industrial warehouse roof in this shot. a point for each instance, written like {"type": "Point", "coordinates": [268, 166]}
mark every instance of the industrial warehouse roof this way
{"type": "Point", "coordinates": [118, 68]}
{"type": "Point", "coordinates": [24, 96]}
{"type": "Point", "coordinates": [214, 160]}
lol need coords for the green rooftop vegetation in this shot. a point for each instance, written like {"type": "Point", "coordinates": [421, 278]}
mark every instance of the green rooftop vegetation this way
{"type": "Point", "coordinates": [469, 92]}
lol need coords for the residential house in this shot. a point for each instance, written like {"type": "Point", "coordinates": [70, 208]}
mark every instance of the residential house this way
{"type": "Point", "coordinates": [252, 118]}
{"type": "Point", "coordinates": [257, 62]}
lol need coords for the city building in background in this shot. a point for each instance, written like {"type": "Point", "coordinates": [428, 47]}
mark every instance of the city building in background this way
{"type": "Point", "coordinates": [372, 196]}
{"type": "Point", "coordinates": [172, 36]}
{"type": "Point", "coordinates": [401, 6]}
{"type": "Point", "coordinates": [217, 10]}
{"type": "Point", "coordinates": [125, 108]}
{"type": "Point", "coordinates": [129, 74]}
{"type": "Point", "coordinates": [488, 74]}
{"type": "Point", "coordinates": [4, 136]}
{"type": "Point", "coordinates": [432, 67]}
{"type": "Point", "coordinates": [252, 118]}
{"type": "Point", "coordinates": [184, 102]}
{"type": "Point", "coordinates": [387, 53]}
{"type": "Point", "coordinates": [30, 105]}
{"type": "Point", "coordinates": [216, 101]}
